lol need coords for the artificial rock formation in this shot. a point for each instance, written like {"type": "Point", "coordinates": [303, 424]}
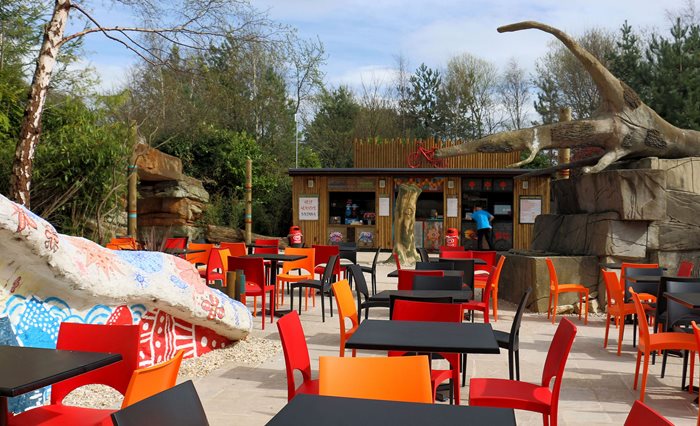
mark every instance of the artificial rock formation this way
{"type": "Point", "coordinates": [170, 203]}
{"type": "Point", "coordinates": [623, 126]}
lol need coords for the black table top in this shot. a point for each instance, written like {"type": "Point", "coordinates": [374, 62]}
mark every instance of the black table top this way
{"type": "Point", "coordinates": [646, 278]}
{"type": "Point", "coordinates": [421, 336]}
{"type": "Point", "coordinates": [183, 251]}
{"type": "Point", "coordinates": [447, 273]}
{"type": "Point", "coordinates": [24, 369]}
{"type": "Point", "coordinates": [456, 295]}
{"type": "Point", "coordinates": [314, 410]}
{"type": "Point", "coordinates": [689, 300]}
{"type": "Point", "coordinates": [277, 257]}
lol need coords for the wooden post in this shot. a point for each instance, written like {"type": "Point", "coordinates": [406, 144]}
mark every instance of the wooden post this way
{"type": "Point", "coordinates": [248, 200]}
{"type": "Point", "coordinates": [132, 200]}
{"type": "Point", "coordinates": [404, 223]}
{"type": "Point", "coordinates": [564, 153]}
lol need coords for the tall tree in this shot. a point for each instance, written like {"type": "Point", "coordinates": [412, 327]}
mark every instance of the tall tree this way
{"type": "Point", "coordinates": [332, 130]}
{"type": "Point", "coordinates": [514, 93]}
{"type": "Point", "coordinates": [183, 23]}
{"type": "Point", "coordinates": [424, 98]}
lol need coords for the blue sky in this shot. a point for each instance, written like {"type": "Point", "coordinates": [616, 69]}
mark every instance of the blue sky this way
{"type": "Point", "coordinates": [363, 37]}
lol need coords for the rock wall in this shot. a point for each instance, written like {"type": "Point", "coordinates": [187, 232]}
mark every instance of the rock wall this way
{"type": "Point", "coordinates": [646, 211]}
{"type": "Point", "coordinates": [170, 203]}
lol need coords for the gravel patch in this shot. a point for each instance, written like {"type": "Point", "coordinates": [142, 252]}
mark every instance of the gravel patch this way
{"type": "Point", "coordinates": [252, 351]}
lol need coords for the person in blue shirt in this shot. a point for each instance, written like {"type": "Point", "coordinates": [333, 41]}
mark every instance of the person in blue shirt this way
{"type": "Point", "coordinates": [483, 227]}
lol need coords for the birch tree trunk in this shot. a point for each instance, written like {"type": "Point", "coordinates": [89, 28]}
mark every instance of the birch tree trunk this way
{"type": "Point", "coordinates": [21, 179]}
{"type": "Point", "coordinates": [404, 223]}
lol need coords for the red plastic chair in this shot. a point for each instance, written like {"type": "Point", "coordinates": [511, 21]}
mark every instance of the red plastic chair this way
{"type": "Point", "coordinates": [406, 277]}
{"type": "Point", "coordinates": [122, 339]}
{"type": "Point", "coordinates": [409, 310]}
{"type": "Point", "coordinates": [396, 259]}
{"type": "Point", "coordinates": [321, 255]}
{"type": "Point", "coordinates": [217, 265]}
{"type": "Point", "coordinates": [685, 269]}
{"type": "Point", "coordinates": [484, 305]}
{"type": "Point", "coordinates": [481, 272]}
{"type": "Point", "coordinates": [176, 243]}
{"type": "Point", "coordinates": [296, 355]}
{"type": "Point", "coordinates": [642, 414]}
{"type": "Point", "coordinates": [255, 283]}
{"type": "Point", "coordinates": [236, 249]}
{"type": "Point", "coordinates": [272, 246]}
{"type": "Point", "coordinates": [506, 393]}
{"type": "Point", "coordinates": [454, 254]}
{"type": "Point", "coordinates": [649, 343]}
{"type": "Point", "coordinates": [444, 249]}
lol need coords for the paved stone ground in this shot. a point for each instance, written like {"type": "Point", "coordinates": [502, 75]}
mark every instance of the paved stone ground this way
{"type": "Point", "coordinates": [597, 386]}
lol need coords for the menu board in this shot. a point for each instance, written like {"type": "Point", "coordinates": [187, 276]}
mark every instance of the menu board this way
{"type": "Point", "coordinates": [530, 208]}
{"type": "Point", "coordinates": [383, 206]}
{"type": "Point", "coordinates": [308, 208]}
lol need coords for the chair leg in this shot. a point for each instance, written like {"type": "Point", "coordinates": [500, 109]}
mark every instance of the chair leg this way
{"type": "Point", "coordinates": [323, 308]}
{"type": "Point", "coordinates": [620, 337]}
{"type": "Point", "coordinates": [549, 305]}
{"type": "Point", "coordinates": [330, 299]}
{"type": "Point", "coordinates": [464, 369]}
{"type": "Point", "coordinates": [272, 306]}
{"type": "Point", "coordinates": [634, 330]}
{"type": "Point", "coordinates": [494, 297]}
{"type": "Point", "coordinates": [685, 368]}
{"type": "Point", "coordinates": [291, 297]}
{"type": "Point", "coordinates": [300, 292]}
{"type": "Point", "coordinates": [511, 355]}
{"type": "Point", "coordinates": [517, 365]}
{"type": "Point", "coordinates": [636, 369]}
{"type": "Point", "coordinates": [663, 364]}
{"type": "Point", "coordinates": [607, 330]}
{"type": "Point", "coordinates": [554, 308]}
{"type": "Point", "coordinates": [585, 321]}
{"type": "Point", "coordinates": [262, 312]}
{"type": "Point", "coordinates": [645, 372]}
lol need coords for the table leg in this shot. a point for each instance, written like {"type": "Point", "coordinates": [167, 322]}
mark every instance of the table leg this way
{"type": "Point", "coordinates": [273, 278]}
{"type": "Point", "coordinates": [4, 412]}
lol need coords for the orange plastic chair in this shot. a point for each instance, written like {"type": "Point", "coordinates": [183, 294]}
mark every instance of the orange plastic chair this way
{"type": "Point", "coordinates": [296, 355]}
{"type": "Point", "coordinates": [146, 382]}
{"type": "Point", "coordinates": [555, 289]}
{"type": "Point", "coordinates": [494, 286]}
{"type": "Point", "coordinates": [617, 308]}
{"type": "Point", "coordinates": [481, 272]}
{"type": "Point", "coordinates": [415, 310]}
{"type": "Point", "coordinates": [649, 343]}
{"type": "Point", "coordinates": [506, 393]}
{"type": "Point", "coordinates": [696, 333]}
{"type": "Point", "coordinates": [685, 269]}
{"type": "Point", "coordinates": [255, 283]}
{"type": "Point", "coordinates": [346, 309]}
{"type": "Point", "coordinates": [307, 264]}
{"type": "Point", "coordinates": [236, 249]}
{"type": "Point", "coordinates": [199, 259]}
{"type": "Point", "coordinates": [123, 243]}
{"type": "Point", "coordinates": [122, 339]}
{"type": "Point", "coordinates": [642, 414]}
{"type": "Point", "coordinates": [217, 265]}
{"type": "Point", "coordinates": [405, 378]}
{"type": "Point", "coordinates": [406, 277]}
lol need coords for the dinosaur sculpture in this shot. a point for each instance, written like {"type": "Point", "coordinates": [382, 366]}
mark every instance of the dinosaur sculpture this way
{"type": "Point", "coordinates": [623, 126]}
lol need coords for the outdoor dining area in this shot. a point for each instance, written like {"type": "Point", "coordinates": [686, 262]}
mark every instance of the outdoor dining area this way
{"type": "Point", "coordinates": [420, 344]}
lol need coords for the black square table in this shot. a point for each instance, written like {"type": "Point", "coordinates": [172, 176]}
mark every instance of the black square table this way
{"type": "Point", "coordinates": [24, 369]}
{"type": "Point", "coordinates": [689, 300]}
{"type": "Point", "coordinates": [456, 295]}
{"type": "Point", "coordinates": [315, 410]}
{"type": "Point", "coordinates": [274, 260]}
{"type": "Point", "coordinates": [422, 336]}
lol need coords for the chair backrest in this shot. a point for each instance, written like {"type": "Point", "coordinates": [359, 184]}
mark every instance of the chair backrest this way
{"type": "Point", "coordinates": [176, 243]}
{"type": "Point", "coordinates": [444, 249]}
{"type": "Point", "coordinates": [486, 294]}
{"type": "Point", "coordinates": [456, 254]}
{"type": "Point", "coordinates": [613, 290]}
{"type": "Point", "coordinates": [217, 265]}
{"type": "Point", "coordinates": [393, 298]}
{"type": "Point", "coordinates": [487, 256]}
{"type": "Point", "coordinates": [685, 269]}
{"type": "Point", "coordinates": [178, 406]}
{"type": "Point", "coordinates": [632, 270]}
{"type": "Point", "coordinates": [307, 264]}
{"type": "Point", "coordinates": [360, 283]}
{"type": "Point", "coordinates": [406, 309]}
{"type": "Point", "coordinates": [253, 268]}
{"type": "Point", "coordinates": [642, 325]}
{"type": "Point", "coordinates": [677, 314]}
{"type": "Point", "coordinates": [200, 257]}
{"type": "Point", "coordinates": [146, 382]}
{"type": "Point", "coordinates": [406, 277]}
{"type": "Point", "coordinates": [236, 249]}
{"type": "Point", "coordinates": [405, 378]}
{"type": "Point", "coordinates": [348, 251]}
{"type": "Point", "coordinates": [497, 272]}
{"type": "Point", "coordinates": [557, 355]}
{"type": "Point", "coordinates": [296, 353]}
{"type": "Point", "coordinates": [122, 339]}
{"type": "Point", "coordinates": [346, 304]}
{"type": "Point", "coordinates": [448, 282]}
{"type": "Point", "coordinates": [128, 243]}
{"type": "Point", "coordinates": [423, 253]}
{"type": "Point", "coordinates": [553, 281]}
{"type": "Point", "coordinates": [329, 272]}
{"type": "Point", "coordinates": [272, 246]}
{"type": "Point", "coordinates": [323, 252]}
{"type": "Point", "coordinates": [518, 318]}
{"type": "Point", "coordinates": [433, 266]}
{"type": "Point", "coordinates": [642, 414]}
{"type": "Point", "coordinates": [376, 258]}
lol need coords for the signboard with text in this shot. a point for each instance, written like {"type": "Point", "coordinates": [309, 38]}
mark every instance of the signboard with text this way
{"type": "Point", "coordinates": [308, 208]}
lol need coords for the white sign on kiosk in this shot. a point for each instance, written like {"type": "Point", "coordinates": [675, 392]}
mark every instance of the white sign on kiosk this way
{"type": "Point", "coordinates": [308, 208]}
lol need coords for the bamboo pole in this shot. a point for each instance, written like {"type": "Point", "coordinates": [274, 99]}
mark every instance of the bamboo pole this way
{"type": "Point", "coordinates": [248, 200]}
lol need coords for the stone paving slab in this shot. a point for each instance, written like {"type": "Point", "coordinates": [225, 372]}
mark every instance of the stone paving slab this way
{"type": "Point", "coordinates": [597, 386]}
